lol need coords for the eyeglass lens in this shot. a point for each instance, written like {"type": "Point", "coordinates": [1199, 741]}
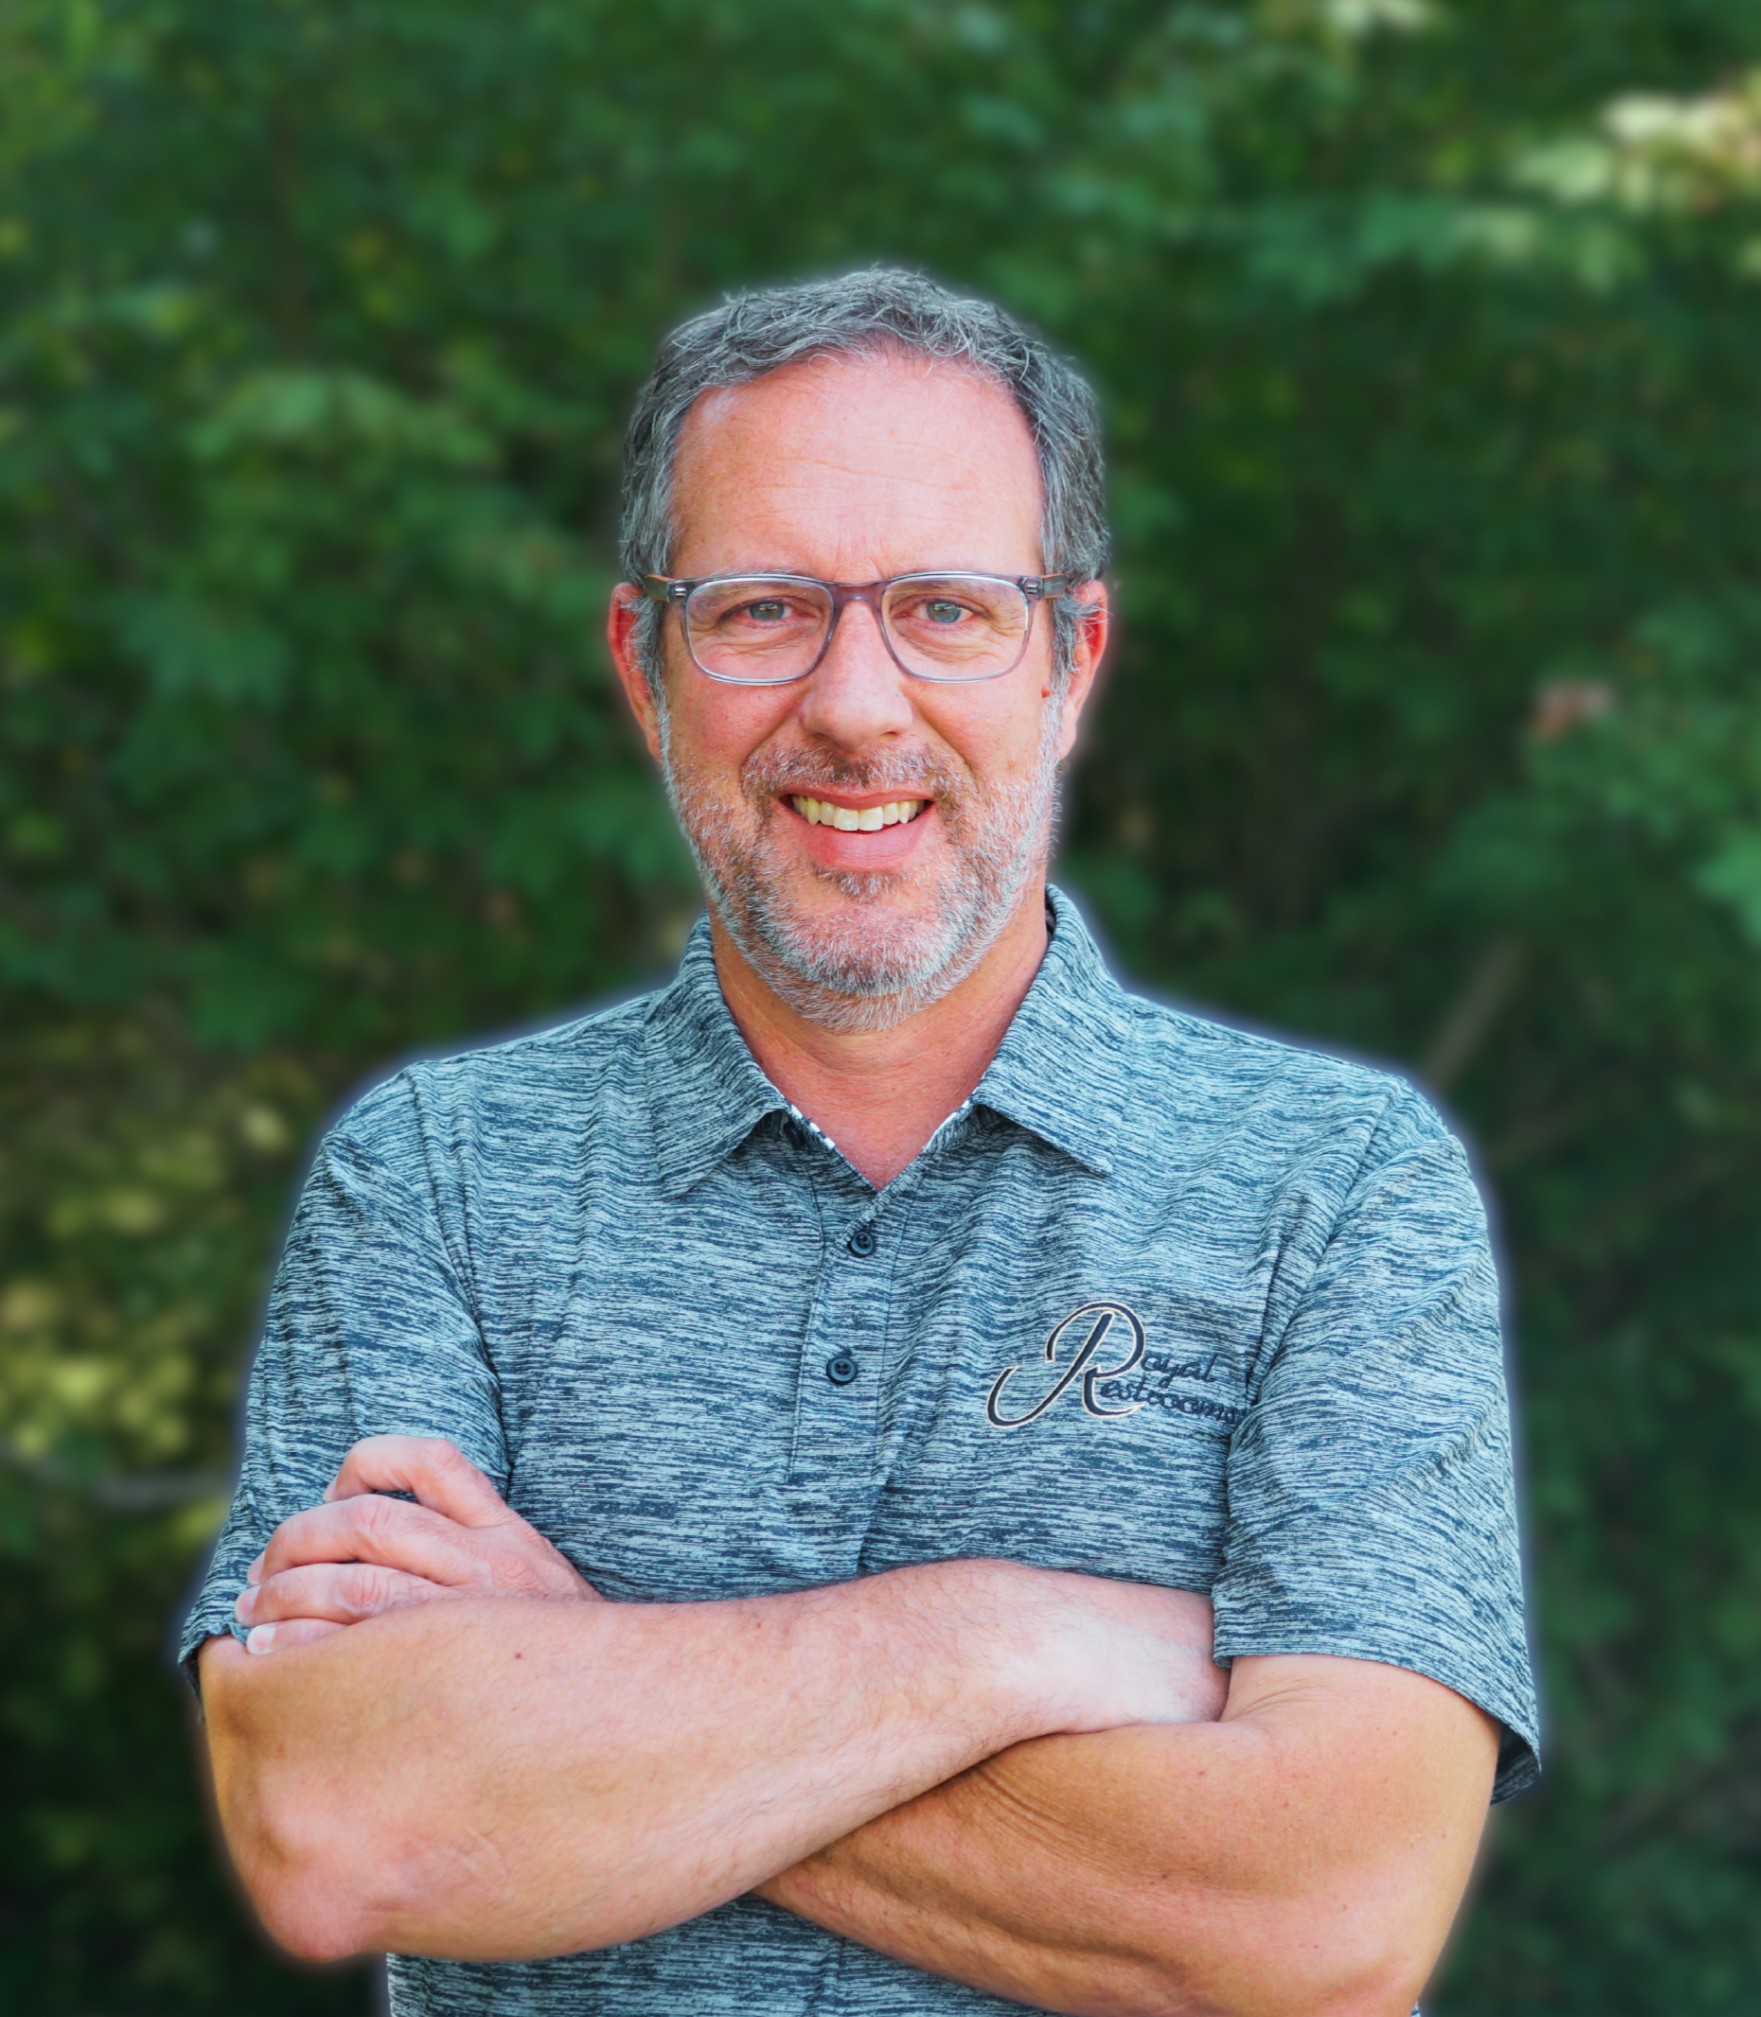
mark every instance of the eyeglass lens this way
{"type": "Point", "coordinates": [761, 630]}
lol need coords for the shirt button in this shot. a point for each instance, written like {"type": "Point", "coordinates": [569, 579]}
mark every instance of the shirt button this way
{"type": "Point", "coordinates": [862, 1242]}
{"type": "Point", "coordinates": [841, 1369]}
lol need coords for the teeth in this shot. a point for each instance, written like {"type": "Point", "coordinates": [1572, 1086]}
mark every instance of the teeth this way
{"type": "Point", "coordinates": [820, 812]}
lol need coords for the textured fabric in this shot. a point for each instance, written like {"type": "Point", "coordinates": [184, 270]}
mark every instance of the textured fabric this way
{"type": "Point", "coordinates": [1162, 1301]}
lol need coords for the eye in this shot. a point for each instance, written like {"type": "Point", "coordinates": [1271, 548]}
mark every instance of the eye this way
{"type": "Point", "coordinates": [940, 610]}
{"type": "Point", "coordinates": [772, 609]}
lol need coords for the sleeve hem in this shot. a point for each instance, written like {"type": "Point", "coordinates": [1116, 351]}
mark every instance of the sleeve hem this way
{"type": "Point", "coordinates": [202, 1626]}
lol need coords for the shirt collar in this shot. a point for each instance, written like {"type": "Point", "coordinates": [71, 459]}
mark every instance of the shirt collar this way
{"type": "Point", "coordinates": [706, 1092]}
{"type": "Point", "coordinates": [1059, 1072]}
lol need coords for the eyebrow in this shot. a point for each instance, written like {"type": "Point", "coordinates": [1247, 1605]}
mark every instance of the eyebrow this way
{"type": "Point", "coordinates": [844, 581]}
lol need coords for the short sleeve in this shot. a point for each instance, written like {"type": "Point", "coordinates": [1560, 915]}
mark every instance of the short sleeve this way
{"type": "Point", "coordinates": [1371, 1499]}
{"type": "Point", "coordinates": [370, 1331]}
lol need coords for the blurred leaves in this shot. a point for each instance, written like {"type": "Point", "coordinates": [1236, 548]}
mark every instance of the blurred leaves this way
{"type": "Point", "coordinates": [1426, 340]}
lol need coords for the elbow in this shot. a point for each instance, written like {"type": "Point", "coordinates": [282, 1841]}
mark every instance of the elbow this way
{"type": "Point", "coordinates": [1364, 1949]}
{"type": "Point", "coordinates": [1353, 1985]}
{"type": "Point", "coordinates": [301, 1869]}
{"type": "Point", "coordinates": [1290, 1965]}
{"type": "Point", "coordinates": [1307, 1988]}
{"type": "Point", "coordinates": [302, 1862]}
{"type": "Point", "coordinates": [301, 1839]}
{"type": "Point", "coordinates": [334, 1870]}
{"type": "Point", "coordinates": [311, 1926]}
{"type": "Point", "coordinates": [311, 1912]}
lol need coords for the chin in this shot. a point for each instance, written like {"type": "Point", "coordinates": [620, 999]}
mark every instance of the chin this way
{"type": "Point", "coordinates": [854, 948]}
{"type": "Point", "coordinates": [861, 964]}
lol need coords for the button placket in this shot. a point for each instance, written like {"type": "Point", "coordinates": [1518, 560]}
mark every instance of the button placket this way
{"type": "Point", "coordinates": [837, 1408]}
{"type": "Point", "coordinates": [837, 1446]}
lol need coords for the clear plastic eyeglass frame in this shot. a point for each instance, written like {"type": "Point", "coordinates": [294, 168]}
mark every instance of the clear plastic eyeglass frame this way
{"type": "Point", "coordinates": [677, 594]}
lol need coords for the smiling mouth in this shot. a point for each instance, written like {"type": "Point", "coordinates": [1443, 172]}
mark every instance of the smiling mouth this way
{"type": "Point", "coordinates": [850, 819]}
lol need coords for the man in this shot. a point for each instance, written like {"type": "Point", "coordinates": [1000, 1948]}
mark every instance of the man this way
{"type": "Point", "coordinates": [742, 1493]}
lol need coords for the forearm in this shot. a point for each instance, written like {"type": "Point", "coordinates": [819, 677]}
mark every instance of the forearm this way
{"type": "Point", "coordinates": [1232, 1869]}
{"type": "Point", "coordinates": [502, 1780]}
{"type": "Point", "coordinates": [1059, 1874]}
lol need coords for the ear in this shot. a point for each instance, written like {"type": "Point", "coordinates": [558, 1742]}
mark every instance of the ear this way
{"type": "Point", "coordinates": [1091, 645]}
{"type": "Point", "coordinates": [620, 636]}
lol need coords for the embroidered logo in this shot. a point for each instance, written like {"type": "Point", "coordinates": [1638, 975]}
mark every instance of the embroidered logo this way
{"type": "Point", "coordinates": [1095, 1323]}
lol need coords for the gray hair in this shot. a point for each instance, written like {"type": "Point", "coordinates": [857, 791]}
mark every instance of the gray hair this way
{"type": "Point", "coordinates": [856, 315]}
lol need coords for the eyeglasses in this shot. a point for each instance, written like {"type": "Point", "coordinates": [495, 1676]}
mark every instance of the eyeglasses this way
{"type": "Point", "coordinates": [768, 629]}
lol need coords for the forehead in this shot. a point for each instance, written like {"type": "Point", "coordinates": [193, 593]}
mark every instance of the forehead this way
{"type": "Point", "coordinates": [855, 466]}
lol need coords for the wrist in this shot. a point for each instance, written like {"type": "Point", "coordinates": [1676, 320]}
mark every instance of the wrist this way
{"type": "Point", "coordinates": [1011, 1659]}
{"type": "Point", "coordinates": [1079, 1653]}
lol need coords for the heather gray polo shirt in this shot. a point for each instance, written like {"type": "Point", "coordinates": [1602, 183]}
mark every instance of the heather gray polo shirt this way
{"type": "Point", "coordinates": [1161, 1301]}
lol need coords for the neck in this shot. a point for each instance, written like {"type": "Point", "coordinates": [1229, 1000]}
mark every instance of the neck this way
{"type": "Point", "coordinates": [881, 1094]}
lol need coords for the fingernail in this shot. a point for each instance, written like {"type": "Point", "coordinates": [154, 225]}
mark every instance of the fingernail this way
{"type": "Point", "coordinates": [260, 1639]}
{"type": "Point", "coordinates": [254, 1574]}
{"type": "Point", "coordinates": [247, 1603]}
{"type": "Point", "coordinates": [330, 1492]}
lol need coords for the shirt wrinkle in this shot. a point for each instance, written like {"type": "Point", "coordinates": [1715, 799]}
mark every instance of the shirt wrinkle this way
{"type": "Point", "coordinates": [697, 1350]}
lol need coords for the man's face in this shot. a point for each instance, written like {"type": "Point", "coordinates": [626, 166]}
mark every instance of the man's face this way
{"type": "Point", "coordinates": [853, 470]}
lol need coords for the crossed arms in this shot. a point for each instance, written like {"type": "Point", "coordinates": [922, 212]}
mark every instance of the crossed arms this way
{"type": "Point", "coordinates": [1032, 1782]}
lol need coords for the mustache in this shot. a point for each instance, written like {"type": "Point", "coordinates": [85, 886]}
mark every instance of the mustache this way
{"type": "Point", "coordinates": [906, 773]}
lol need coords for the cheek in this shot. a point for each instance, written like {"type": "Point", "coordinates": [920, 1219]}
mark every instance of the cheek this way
{"type": "Point", "coordinates": [713, 733]}
{"type": "Point", "coordinates": [993, 740]}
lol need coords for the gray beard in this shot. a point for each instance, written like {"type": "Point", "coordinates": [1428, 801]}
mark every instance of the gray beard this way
{"type": "Point", "coordinates": [876, 970]}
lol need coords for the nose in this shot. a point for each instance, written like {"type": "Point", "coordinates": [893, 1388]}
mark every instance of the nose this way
{"type": "Point", "coordinates": [857, 695]}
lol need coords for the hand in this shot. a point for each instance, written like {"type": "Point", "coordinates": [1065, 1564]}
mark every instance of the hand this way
{"type": "Point", "coordinates": [359, 1553]}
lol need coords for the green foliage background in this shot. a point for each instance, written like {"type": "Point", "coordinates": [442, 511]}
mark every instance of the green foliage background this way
{"type": "Point", "coordinates": [1428, 340]}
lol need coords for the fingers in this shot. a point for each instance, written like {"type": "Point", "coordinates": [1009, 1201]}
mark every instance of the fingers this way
{"type": "Point", "coordinates": [389, 1533]}
{"type": "Point", "coordinates": [510, 1559]}
{"type": "Point", "coordinates": [441, 1477]}
{"type": "Point", "coordinates": [459, 1536]}
{"type": "Point", "coordinates": [281, 1638]}
{"type": "Point", "coordinates": [341, 1593]}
